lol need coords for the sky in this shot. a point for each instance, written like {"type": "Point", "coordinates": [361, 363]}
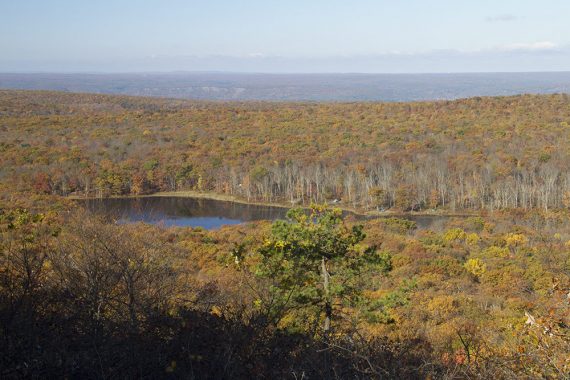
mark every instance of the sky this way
{"type": "Point", "coordinates": [372, 36]}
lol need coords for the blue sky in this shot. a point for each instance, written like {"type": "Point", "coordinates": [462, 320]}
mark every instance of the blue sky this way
{"type": "Point", "coordinates": [285, 36]}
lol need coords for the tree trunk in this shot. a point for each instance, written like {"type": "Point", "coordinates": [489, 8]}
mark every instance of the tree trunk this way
{"type": "Point", "coordinates": [328, 316]}
{"type": "Point", "coordinates": [328, 305]}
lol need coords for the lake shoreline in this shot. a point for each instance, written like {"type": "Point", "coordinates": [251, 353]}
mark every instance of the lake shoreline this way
{"type": "Point", "coordinates": [230, 198]}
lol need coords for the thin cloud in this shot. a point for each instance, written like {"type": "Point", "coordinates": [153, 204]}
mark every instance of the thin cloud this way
{"type": "Point", "coordinates": [501, 18]}
{"type": "Point", "coordinates": [531, 47]}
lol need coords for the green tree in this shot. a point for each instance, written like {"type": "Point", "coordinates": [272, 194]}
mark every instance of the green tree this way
{"type": "Point", "coordinates": [313, 265]}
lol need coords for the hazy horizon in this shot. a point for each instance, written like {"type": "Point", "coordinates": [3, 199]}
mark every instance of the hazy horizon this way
{"type": "Point", "coordinates": [276, 73]}
{"type": "Point", "coordinates": [295, 86]}
{"type": "Point", "coordinates": [440, 36]}
{"type": "Point", "coordinates": [295, 50]}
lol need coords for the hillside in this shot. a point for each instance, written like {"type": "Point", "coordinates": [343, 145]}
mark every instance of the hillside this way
{"type": "Point", "coordinates": [295, 87]}
{"type": "Point", "coordinates": [311, 296]}
{"type": "Point", "coordinates": [479, 153]}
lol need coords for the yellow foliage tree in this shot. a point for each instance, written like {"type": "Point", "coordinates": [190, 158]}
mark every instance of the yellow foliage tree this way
{"type": "Point", "coordinates": [476, 267]}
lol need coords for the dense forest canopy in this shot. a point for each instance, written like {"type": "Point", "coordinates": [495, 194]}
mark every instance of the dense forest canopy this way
{"type": "Point", "coordinates": [479, 153]}
{"type": "Point", "coordinates": [483, 295]}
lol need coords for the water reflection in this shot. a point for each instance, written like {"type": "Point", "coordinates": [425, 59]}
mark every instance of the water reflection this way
{"type": "Point", "coordinates": [182, 212]}
{"type": "Point", "coordinates": [208, 213]}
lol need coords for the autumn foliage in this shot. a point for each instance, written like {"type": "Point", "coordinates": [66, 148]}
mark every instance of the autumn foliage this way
{"type": "Point", "coordinates": [484, 294]}
{"type": "Point", "coordinates": [472, 154]}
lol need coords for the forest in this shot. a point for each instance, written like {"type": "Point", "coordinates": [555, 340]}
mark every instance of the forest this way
{"type": "Point", "coordinates": [465, 155]}
{"type": "Point", "coordinates": [319, 294]}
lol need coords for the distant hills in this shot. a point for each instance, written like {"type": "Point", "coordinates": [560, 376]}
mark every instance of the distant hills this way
{"type": "Point", "coordinates": [297, 87]}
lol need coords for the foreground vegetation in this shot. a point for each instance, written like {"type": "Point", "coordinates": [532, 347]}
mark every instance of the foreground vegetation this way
{"type": "Point", "coordinates": [314, 296]}
{"type": "Point", "coordinates": [474, 154]}
{"type": "Point", "coordinates": [311, 297]}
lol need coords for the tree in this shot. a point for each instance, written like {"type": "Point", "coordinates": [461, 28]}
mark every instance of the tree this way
{"type": "Point", "coordinates": [42, 183]}
{"type": "Point", "coordinates": [313, 265]}
{"type": "Point", "coordinates": [114, 273]}
{"type": "Point", "coordinates": [378, 196]}
{"type": "Point", "coordinates": [26, 240]}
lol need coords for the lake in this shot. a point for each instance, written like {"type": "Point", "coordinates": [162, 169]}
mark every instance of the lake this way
{"type": "Point", "coordinates": [207, 213]}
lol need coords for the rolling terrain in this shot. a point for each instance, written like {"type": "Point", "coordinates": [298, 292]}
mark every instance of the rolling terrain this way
{"type": "Point", "coordinates": [470, 154]}
{"type": "Point", "coordinates": [296, 87]}
{"type": "Point", "coordinates": [319, 295]}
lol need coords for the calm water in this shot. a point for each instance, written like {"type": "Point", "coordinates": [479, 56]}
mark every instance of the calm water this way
{"type": "Point", "coordinates": [206, 213]}
{"type": "Point", "coordinates": [182, 212]}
